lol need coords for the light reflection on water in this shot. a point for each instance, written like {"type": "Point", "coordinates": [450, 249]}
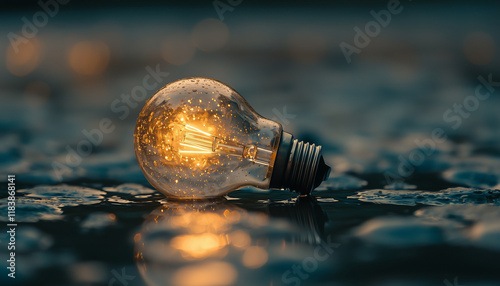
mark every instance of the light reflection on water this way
{"type": "Point", "coordinates": [217, 243]}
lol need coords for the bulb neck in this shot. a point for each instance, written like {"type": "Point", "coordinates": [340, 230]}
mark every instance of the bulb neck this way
{"type": "Point", "coordinates": [298, 166]}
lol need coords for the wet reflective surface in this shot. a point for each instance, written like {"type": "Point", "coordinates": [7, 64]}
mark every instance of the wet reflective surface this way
{"type": "Point", "coordinates": [257, 237]}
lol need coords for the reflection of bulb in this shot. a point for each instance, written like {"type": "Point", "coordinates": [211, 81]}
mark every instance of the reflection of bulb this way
{"type": "Point", "coordinates": [208, 243]}
{"type": "Point", "coordinates": [198, 138]}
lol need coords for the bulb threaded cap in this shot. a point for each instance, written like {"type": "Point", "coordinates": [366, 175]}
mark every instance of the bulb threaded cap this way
{"type": "Point", "coordinates": [298, 166]}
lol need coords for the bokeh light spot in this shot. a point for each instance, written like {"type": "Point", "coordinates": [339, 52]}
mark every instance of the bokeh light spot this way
{"type": "Point", "coordinates": [198, 245]}
{"type": "Point", "coordinates": [89, 57]}
{"type": "Point", "coordinates": [254, 257]}
{"type": "Point", "coordinates": [479, 48]}
{"type": "Point", "coordinates": [240, 239]}
{"type": "Point", "coordinates": [23, 59]}
{"type": "Point", "coordinates": [210, 35]}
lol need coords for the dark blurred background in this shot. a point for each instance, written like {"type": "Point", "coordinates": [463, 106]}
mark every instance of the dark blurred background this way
{"type": "Point", "coordinates": [284, 58]}
{"type": "Point", "coordinates": [62, 74]}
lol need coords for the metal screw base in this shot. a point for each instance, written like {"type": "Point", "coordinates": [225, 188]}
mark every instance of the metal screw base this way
{"type": "Point", "coordinates": [299, 166]}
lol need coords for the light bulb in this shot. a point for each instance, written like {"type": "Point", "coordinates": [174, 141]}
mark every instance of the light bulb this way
{"type": "Point", "coordinates": [198, 138]}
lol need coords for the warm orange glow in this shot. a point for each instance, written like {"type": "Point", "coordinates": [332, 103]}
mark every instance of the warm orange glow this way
{"type": "Point", "coordinates": [194, 133]}
{"type": "Point", "coordinates": [201, 222]}
{"type": "Point", "coordinates": [198, 246]}
{"type": "Point", "coordinates": [195, 141]}
{"type": "Point", "coordinates": [23, 61]}
{"type": "Point", "coordinates": [137, 237]}
{"type": "Point", "coordinates": [89, 57]}
{"type": "Point", "coordinates": [254, 257]}
{"type": "Point", "coordinates": [206, 274]}
{"type": "Point", "coordinates": [232, 216]}
{"type": "Point", "coordinates": [240, 239]}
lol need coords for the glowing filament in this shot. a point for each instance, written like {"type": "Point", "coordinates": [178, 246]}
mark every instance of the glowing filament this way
{"type": "Point", "coordinates": [196, 141]}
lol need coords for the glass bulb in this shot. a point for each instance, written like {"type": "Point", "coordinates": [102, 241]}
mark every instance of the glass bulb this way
{"type": "Point", "coordinates": [198, 138]}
